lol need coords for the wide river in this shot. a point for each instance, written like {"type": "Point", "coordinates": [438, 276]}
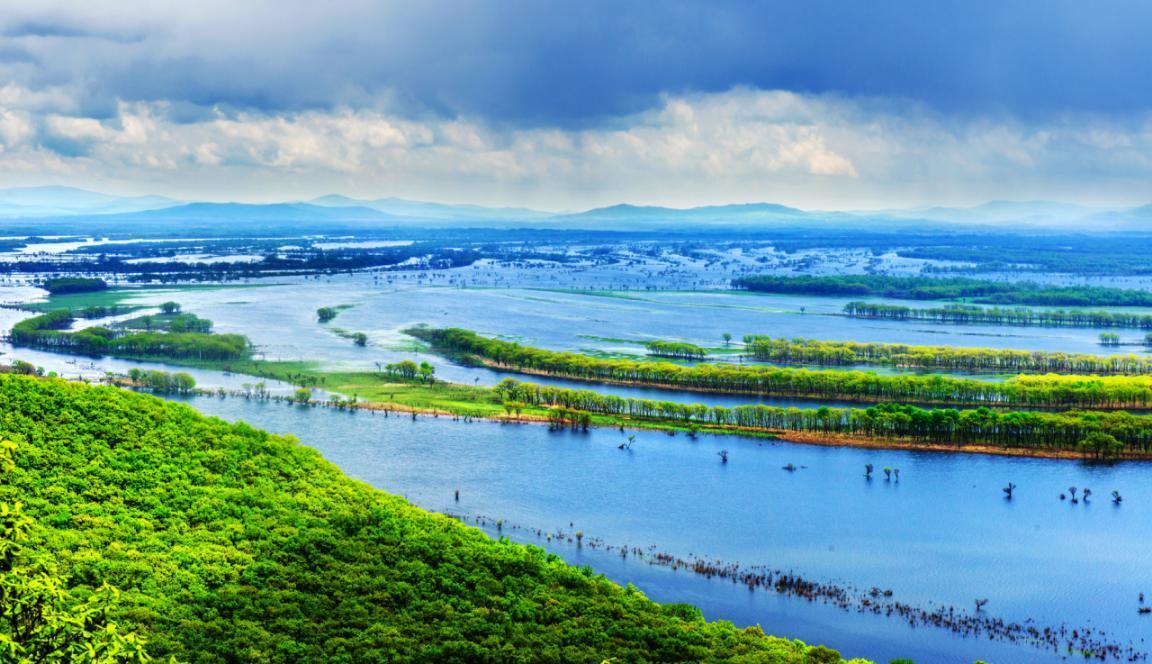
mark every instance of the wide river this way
{"type": "Point", "coordinates": [944, 534]}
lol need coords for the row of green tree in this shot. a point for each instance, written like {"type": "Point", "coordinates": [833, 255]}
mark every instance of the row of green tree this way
{"type": "Point", "coordinates": [409, 370]}
{"type": "Point", "coordinates": [1041, 390]}
{"type": "Point", "coordinates": [1095, 433]}
{"type": "Point", "coordinates": [229, 544]}
{"type": "Point", "coordinates": [677, 349]}
{"type": "Point", "coordinates": [928, 288]}
{"type": "Point", "coordinates": [841, 353]}
{"type": "Point", "coordinates": [971, 315]}
{"type": "Point", "coordinates": [50, 331]}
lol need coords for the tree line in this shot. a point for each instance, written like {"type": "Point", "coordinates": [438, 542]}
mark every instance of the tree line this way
{"type": "Point", "coordinates": [946, 426]}
{"type": "Point", "coordinates": [838, 353]}
{"type": "Point", "coordinates": [929, 288]}
{"type": "Point", "coordinates": [677, 349]}
{"type": "Point", "coordinates": [972, 315]}
{"type": "Point", "coordinates": [1041, 391]}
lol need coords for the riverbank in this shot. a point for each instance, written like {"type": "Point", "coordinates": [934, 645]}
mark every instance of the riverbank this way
{"type": "Point", "coordinates": [382, 393]}
{"type": "Point", "coordinates": [835, 440]}
{"type": "Point", "coordinates": [1022, 391]}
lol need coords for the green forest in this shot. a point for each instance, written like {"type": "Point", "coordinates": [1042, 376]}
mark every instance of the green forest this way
{"type": "Point", "coordinates": [145, 526]}
{"type": "Point", "coordinates": [929, 288]}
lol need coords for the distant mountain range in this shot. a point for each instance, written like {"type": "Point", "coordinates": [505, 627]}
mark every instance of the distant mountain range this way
{"type": "Point", "coordinates": [400, 207]}
{"type": "Point", "coordinates": [30, 202]}
{"type": "Point", "coordinates": [1040, 213]}
{"type": "Point", "coordinates": [705, 214]}
{"type": "Point", "coordinates": [259, 212]}
{"type": "Point", "coordinates": [77, 206]}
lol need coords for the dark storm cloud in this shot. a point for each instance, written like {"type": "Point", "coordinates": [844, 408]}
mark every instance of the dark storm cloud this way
{"type": "Point", "coordinates": [530, 63]}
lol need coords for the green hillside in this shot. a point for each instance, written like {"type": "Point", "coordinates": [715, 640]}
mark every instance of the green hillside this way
{"type": "Point", "coordinates": [229, 544]}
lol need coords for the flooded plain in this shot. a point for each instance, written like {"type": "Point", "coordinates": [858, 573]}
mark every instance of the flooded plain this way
{"type": "Point", "coordinates": [941, 535]}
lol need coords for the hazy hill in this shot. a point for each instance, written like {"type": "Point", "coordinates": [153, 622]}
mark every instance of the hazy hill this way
{"type": "Point", "coordinates": [401, 207]}
{"type": "Point", "coordinates": [55, 201]}
{"type": "Point", "coordinates": [79, 210]}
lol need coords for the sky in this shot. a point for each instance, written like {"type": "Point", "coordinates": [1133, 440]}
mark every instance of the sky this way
{"type": "Point", "coordinates": [569, 105]}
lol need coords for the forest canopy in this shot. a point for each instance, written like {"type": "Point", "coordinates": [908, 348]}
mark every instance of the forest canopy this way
{"type": "Point", "coordinates": [230, 544]}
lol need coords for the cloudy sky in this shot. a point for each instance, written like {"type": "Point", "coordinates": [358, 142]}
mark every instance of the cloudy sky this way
{"type": "Point", "coordinates": [562, 105]}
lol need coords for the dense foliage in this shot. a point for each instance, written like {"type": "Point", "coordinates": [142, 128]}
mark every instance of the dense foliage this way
{"type": "Point", "coordinates": [229, 544]}
{"type": "Point", "coordinates": [945, 426]}
{"type": "Point", "coordinates": [66, 285]}
{"type": "Point", "coordinates": [50, 331]}
{"type": "Point", "coordinates": [40, 620]}
{"type": "Point", "coordinates": [839, 353]}
{"type": "Point", "coordinates": [968, 314]}
{"type": "Point", "coordinates": [927, 288]}
{"type": "Point", "coordinates": [1048, 390]}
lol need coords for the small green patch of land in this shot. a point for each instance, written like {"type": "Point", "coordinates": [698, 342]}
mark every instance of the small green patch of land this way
{"type": "Point", "coordinates": [65, 285]}
{"type": "Point", "coordinates": [113, 297]}
{"type": "Point", "coordinates": [385, 390]}
{"type": "Point", "coordinates": [162, 322]}
{"type": "Point", "coordinates": [188, 337]}
{"type": "Point", "coordinates": [616, 295]}
{"type": "Point", "coordinates": [377, 387]}
{"type": "Point", "coordinates": [611, 340]}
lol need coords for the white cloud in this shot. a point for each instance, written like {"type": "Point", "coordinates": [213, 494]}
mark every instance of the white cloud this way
{"type": "Point", "coordinates": [740, 145]}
